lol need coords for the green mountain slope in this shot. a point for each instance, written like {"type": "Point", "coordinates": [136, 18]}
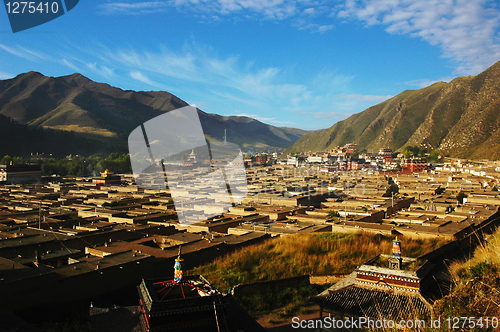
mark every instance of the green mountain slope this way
{"type": "Point", "coordinates": [101, 112]}
{"type": "Point", "coordinates": [460, 119]}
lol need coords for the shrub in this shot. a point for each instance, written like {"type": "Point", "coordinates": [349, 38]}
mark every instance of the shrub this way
{"type": "Point", "coordinates": [333, 214]}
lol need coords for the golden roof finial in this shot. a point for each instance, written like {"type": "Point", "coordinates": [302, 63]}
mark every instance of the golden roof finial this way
{"type": "Point", "coordinates": [106, 173]}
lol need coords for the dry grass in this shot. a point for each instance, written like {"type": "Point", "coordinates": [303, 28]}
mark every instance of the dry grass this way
{"type": "Point", "coordinates": [489, 254]}
{"type": "Point", "coordinates": [85, 130]}
{"type": "Point", "coordinates": [300, 254]}
{"type": "Point", "coordinates": [476, 285]}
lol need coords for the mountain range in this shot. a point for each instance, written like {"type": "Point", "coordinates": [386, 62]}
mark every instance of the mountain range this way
{"type": "Point", "coordinates": [458, 119]}
{"type": "Point", "coordinates": [102, 116]}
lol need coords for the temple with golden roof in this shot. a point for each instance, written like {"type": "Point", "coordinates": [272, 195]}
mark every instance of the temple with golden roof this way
{"type": "Point", "coordinates": [108, 178]}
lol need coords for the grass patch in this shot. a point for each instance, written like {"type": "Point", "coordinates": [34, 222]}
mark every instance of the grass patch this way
{"type": "Point", "coordinates": [301, 254]}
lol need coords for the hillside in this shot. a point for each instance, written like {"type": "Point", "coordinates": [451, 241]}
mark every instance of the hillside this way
{"type": "Point", "coordinates": [101, 112]}
{"type": "Point", "coordinates": [475, 286]}
{"type": "Point", "coordinates": [24, 140]}
{"type": "Point", "coordinates": [459, 119]}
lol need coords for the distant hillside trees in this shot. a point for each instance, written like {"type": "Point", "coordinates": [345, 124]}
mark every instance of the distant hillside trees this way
{"type": "Point", "coordinates": [415, 151]}
{"type": "Point", "coordinates": [77, 165]}
{"type": "Point", "coordinates": [23, 140]}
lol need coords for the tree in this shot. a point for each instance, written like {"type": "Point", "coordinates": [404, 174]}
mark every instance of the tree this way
{"type": "Point", "coordinates": [333, 214]}
{"type": "Point", "coordinates": [6, 160]}
{"type": "Point", "coordinates": [434, 155]}
{"type": "Point", "coordinates": [410, 151]}
{"type": "Point", "coordinates": [460, 197]}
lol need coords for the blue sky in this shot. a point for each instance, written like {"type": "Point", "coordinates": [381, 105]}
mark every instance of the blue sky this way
{"type": "Point", "coordinates": [295, 63]}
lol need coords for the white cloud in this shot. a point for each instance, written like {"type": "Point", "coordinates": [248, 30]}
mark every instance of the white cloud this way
{"type": "Point", "coordinates": [216, 10]}
{"type": "Point", "coordinates": [272, 121]}
{"type": "Point", "coordinates": [36, 55]}
{"type": "Point", "coordinates": [71, 65]}
{"type": "Point", "coordinates": [134, 8]}
{"type": "Point", "coordinates": [302, 24]}
{"type": "Point", "coordinates": [425, 83]}
{"type": "Point", "coordinates": [275, 9]}
{"type": "Point", "coordinates": [361, 98]}
{"type": "Point", "coordinates": [4, 76]}
{"type": "Point", "coordinates": [328, 109]}
{"type": "Point", "coordinates": [206, 69]}
{"type": "Point", "coordinates": [101, 70]}
{"type": "Point", "coordinates": [180, 66]}
{"type": "Point", "coordinates": [137, 75]}
{"type": "Point", "coordinates": [309, 11]}
{"type": "Point", "coordinates": [466, 31]}
{"type": "Point", "coordinates": [25, 53]}
{"type": "Point", "coordinates": [229, 86]}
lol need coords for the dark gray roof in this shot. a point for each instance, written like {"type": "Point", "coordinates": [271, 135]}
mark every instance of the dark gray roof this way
{"type": "Point", "coordinates": [355, 300]}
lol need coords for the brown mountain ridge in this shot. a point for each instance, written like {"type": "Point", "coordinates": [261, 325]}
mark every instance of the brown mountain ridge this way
{"type": "Point", "coordinates": [101, 112]}
{"type": "Point", "coordinates": [459, 119]}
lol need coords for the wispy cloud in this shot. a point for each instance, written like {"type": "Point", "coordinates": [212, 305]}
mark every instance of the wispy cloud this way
{"type": "Point", "coordinates": [133, 8]}
{"type": "Point", "coordinates": [275, 9]}
{"type": "Point", "coordinates": [101, 70]}
{"type": "Point", "coordinates": [164, 62]}
{"type": "Point", "coordinates": [425, 83]}
{"type": "Point", "coordinates": [4, 76]}
{"type": "Point", "coordinates": [272, 121]}
{"type": "Point", "coordinates": [305, 24]}
{"type": "Point", "coordinates": [230, 86]}
{"type": "Point", "coordinates": [71, 65]}
{"type": "Point", "coordinates": [25, 53]}
{"type": "Point", "coordinates": [361, 98]}
{"type": "Point", "coordinates": [466, 31]}
{"type": "Point", "coordinates": [137, 75]}
{"type": "Point", "coordinates": [270, 9]}
{"type": "Point", "coordinates": [331, 108]}
{"type": "Point", "coordinates": [199, 66]}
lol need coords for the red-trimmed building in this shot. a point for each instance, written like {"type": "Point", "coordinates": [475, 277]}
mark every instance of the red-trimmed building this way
{"type": "Point", "coordinates": [414, 165]}
{"type": "Point", "coordinates": [386, 154]}
{"type": "Point", "coordinates": [396, 292]}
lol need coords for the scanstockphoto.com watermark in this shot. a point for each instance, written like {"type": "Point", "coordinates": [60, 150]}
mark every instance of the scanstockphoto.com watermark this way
{"type": "Point", "coordinates": [356, 323]}
{"type": "Point", "coordinates": [450, 323]}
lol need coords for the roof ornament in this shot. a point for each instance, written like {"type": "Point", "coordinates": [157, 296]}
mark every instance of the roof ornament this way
{"type": "Point", "coordinates": [178, 267]}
